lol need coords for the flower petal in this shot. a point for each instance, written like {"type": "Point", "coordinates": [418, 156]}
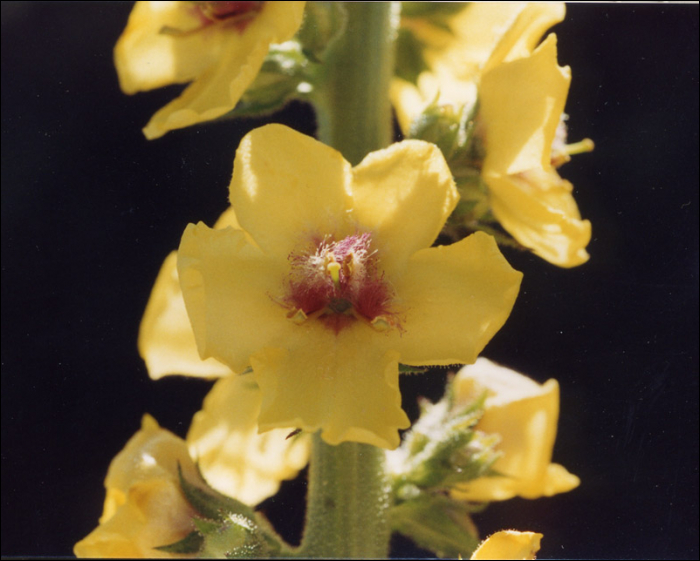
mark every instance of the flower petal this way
{"type": "Point", "coordinates": [456, 298]}
{"type": "Point", "coordinates": [228, 286]}
{"type": "Point", "coordinates": [404, 195]}
{"type": "Point", "coordinates": [146, 58]}
{"type": "Point", "coordinates": [218, 88]}
{"type": "Point", "coordinates": [166, 341]}
{"type": "Point", "coordinates": [521, 104]}
{"type": "Point", "coordinates": [342, 384]}
{"type": "Point", "coordinates": [509, 544]}
{"type": "Point", "coordinates": [233, 457]}
{"type": "Point", "coordinates": [287, 187]}
{"type": "Point", "coordinates": [524, 414]}
{"type": "Point", "coordinates": [539, 211]}
{"type": "Point", "coordinates": [144, 507]}
{"type": "Point", "coordinates": [525, 31]}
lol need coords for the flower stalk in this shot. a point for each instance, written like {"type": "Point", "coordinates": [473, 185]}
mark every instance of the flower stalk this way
{"type": "Point", "coordinates": [351, 97]}
{"type": "Point", "coordinates": [347, 502]}
{"type": "Point", "coordinates": [348, 495]}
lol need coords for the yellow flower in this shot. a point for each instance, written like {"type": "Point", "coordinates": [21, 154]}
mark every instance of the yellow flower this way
{"type": "Point", "coordinates": [144, 507]}
{"type": "Point", "coordinates": [521, 93]}
{"type": "Point", "coordinates": [524, 414]}
{"type": "Point", "coordinates": [223, 437]}
{"type": "Point", "coordinates": [527, 195]}
{"type": "Point", "coordinates": [509, 544]}
{"type": "Point", "coordinates": [232, 456]}
{"type": "Point", "coordinates": [218, 46]}
{"type": "Point", "coordinates": [331, 282]}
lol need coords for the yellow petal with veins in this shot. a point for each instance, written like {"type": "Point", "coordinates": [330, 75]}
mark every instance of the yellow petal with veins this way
{"type": "Point", "coordinates": [392, 187]}
{"type": "Point", "coordinates": [469, 286]}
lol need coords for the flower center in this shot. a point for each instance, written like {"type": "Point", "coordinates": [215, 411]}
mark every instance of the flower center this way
{"type": "Point", "coordinates": [225, 14]}
{"type": "Point", "coordinates": [220, 11]}
{"type": "Point", "coordinates": [338, 283]}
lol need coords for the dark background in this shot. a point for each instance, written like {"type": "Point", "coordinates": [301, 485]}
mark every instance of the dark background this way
{"type": "Point", "coordinates": [90, 209]}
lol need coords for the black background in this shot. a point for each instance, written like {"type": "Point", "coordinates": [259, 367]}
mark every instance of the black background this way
{"type": "Point", "coordinates": [90, 209]}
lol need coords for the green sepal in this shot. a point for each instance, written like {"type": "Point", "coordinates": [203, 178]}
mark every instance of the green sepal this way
{"type": "Point", "coordinates": [437, 523]}
{"type": "Point", "coordinates": [191, 543]}
{"type": "Point", "coordinates": [442, 449]}
{"type": "Point", "coordinates": [210, 503]}
{"type": "Point", "coordinates": [409, 56]}
{"type": "Point", "coordinates": [452, 130]}
{"type": "Point", "coordinates": [235, 537]}
{"type": "Point", "coordinates": [279, 81]}
{"type": "Point", "coordinates": [324, 22]}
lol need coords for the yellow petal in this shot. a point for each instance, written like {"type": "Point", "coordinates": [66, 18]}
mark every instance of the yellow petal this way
{"type": "Point", "coordinates": [525, 32]}
{"type": "Point", "coordinates": [538, 209]}
{"type": "Point", "coordinates": [287, 187]}
{"type": "Point", "coordinates": [524, 414]}
{"type": "Point", "coordinates": [240, 54]}
{"type": "Point", "coordinates": [404, 195]}
{"type": "Point", "coordinates": [146, 59]}
{"type": "Point", "coordinates": [144, 507]}
{"type": "Point", "coordinates": [509, 544]}
{"type": "Point", "coordinates": [456, 297]}
{"type": "Point", "coordinates": [474, 34]}
{"type": "Point", "coordinates": [228, 286]}
{"type": "Point", "coordinates": [521, 104]}
{"type": "Point", "coordinates": [166, 341]}
{"type": "Point", "coordinates": [343, 384]}
{"type": "Point", "coordinates": [233, 457]}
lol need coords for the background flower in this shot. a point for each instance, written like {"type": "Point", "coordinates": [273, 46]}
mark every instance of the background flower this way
{"type": "Point", "coordinates": [144, 507]}
{"type": "Point", "coordinates": [490, 56]}
{"type": "Point", "coordinates": [524, 414]}
{"type": "Point", "coordinates": [178, 42]}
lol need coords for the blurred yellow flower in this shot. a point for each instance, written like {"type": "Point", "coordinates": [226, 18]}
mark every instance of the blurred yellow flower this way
{"type": "Point", "coordinates": [524, 414]}
{"type": "Point", "coordinates": [144, 507]}
{"type": "Point", "coordinates": [509, 544]}
{"type": "Point", "coordinates": [218, 46]}
{"type": "Point", "coordinates": [490, 54]}
{"type": "Point", "coordinates": [331, 282]}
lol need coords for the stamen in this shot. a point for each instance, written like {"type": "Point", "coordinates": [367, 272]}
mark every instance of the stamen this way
{"type": "Point", "coordinates": [339, 283]}
{"type": "Point", "coordinates": [580, 147]}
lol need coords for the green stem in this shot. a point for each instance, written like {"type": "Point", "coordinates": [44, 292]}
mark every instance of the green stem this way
{"type": "Point", "coordinates": [346, 513]}
{"type": "Point", "coordinates": [352, 90]}
{"type": "Point", "coordinates": [347, 502]}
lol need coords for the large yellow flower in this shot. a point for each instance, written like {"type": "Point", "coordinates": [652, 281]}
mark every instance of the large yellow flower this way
{"type": "Point", "coordinates": [330, 282]}
{"type": "Point", "coordinates": [144, 507]}
{"type": "Point", "coordinates": [490, 54]}
{"type": "Point", "coordinates": [524, 414]}
{"type": "Point", "coordinates": [218, 46]}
